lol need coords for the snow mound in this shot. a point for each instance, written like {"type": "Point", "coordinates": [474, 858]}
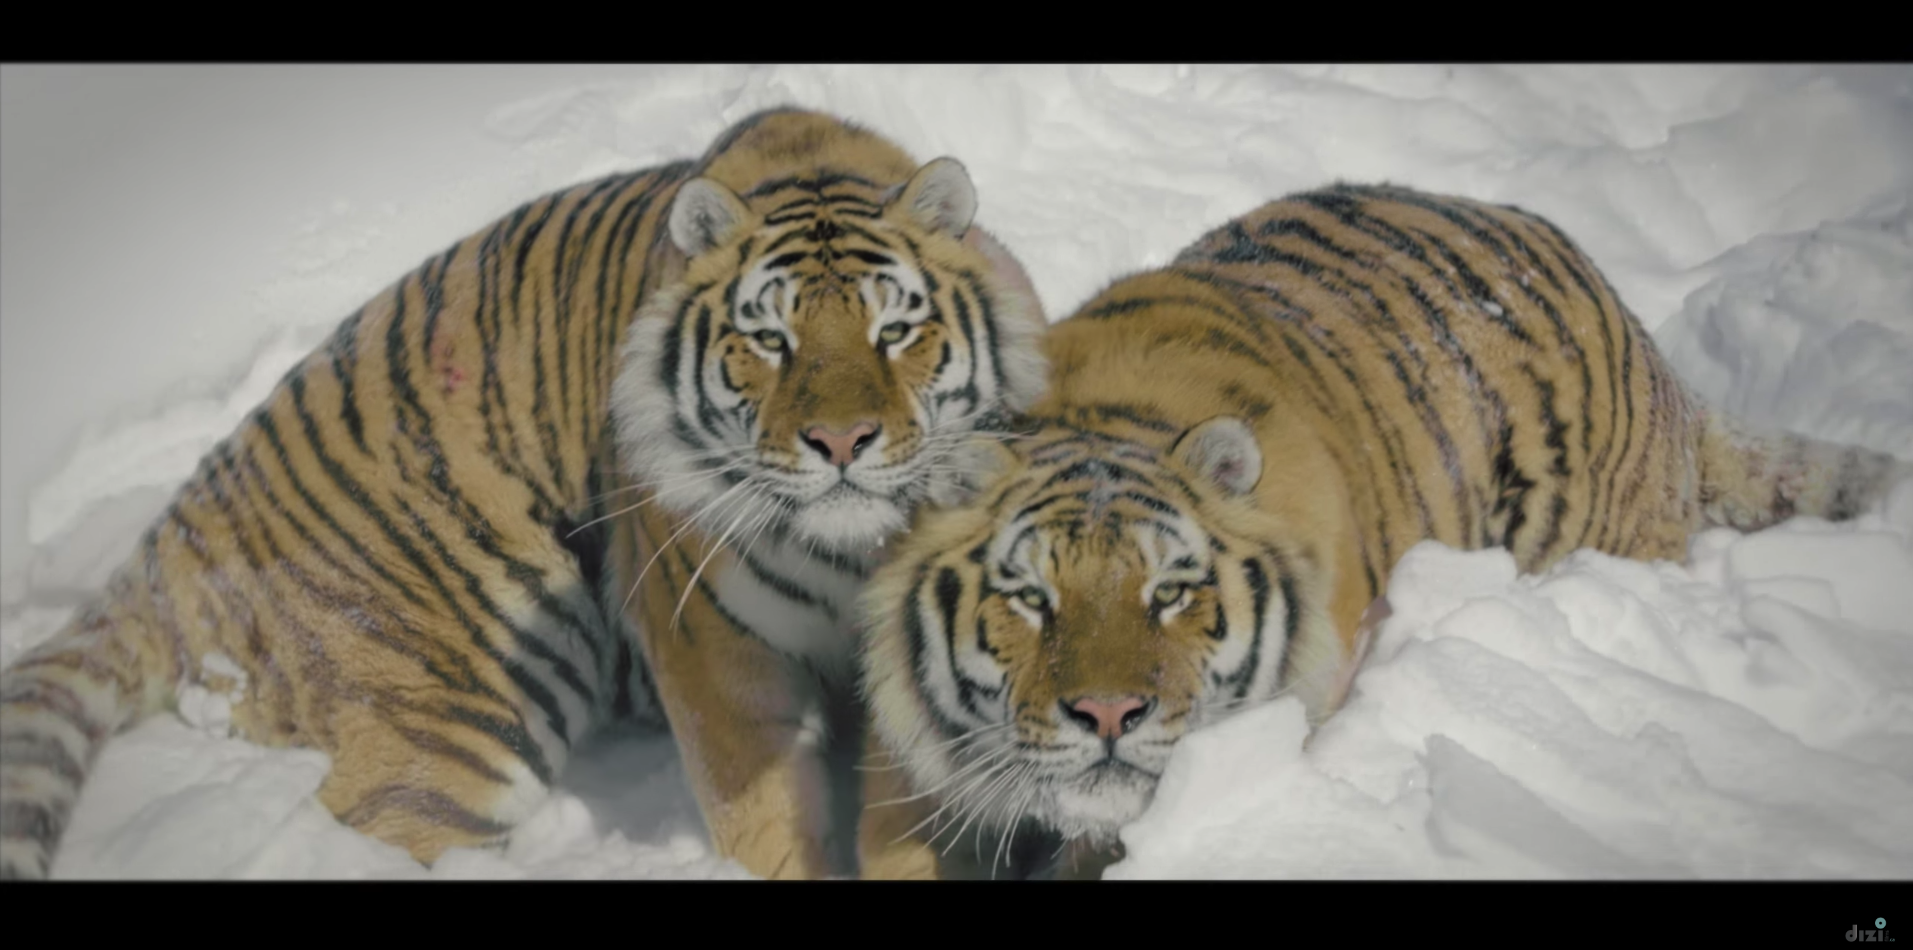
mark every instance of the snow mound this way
{"type": "Point", "coordinates": [1749, 715]}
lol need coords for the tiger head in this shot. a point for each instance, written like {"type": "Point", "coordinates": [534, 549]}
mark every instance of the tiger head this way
{"type": "Point", "coordinates": [1037, 651]}
{"type": "Point", "coordinates": [815, 370]}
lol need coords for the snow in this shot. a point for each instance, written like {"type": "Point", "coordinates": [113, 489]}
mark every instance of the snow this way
{"type": "Point", "coordinates": [1746, 716]}
{"type": "Point", "coordinates": [172, 238]}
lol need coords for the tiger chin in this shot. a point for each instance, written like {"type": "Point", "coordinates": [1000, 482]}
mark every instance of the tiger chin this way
{"type": "Point", "coordinates": [1234, 452]}
{"type": "Point", "coordinates": [422, 553]}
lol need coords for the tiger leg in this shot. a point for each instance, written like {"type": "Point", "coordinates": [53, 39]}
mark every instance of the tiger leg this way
{"type": "Point", "coordinates": [428, 773]}
{"type": "Point", "coordinates": [891, 843]}
{"type": "Point", "coordinates": [751, 731]}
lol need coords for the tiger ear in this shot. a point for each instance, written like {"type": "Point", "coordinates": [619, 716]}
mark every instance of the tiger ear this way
{"type": "Point", "coordinates": [1224, 451]}
{"type": "Point", "coordinates": [704, 215]}
{"type": "Point", "coordinates": [978, 463]}
{"type": "Point", "coordinates": [939, 198]}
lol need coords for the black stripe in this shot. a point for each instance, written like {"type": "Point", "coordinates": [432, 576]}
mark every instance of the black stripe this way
{"type": "Point", "coordinates": [343, 348]}
{"type": "Point", "coordinates": [1096, 469]}
{"type": "Point", "coordinates": [353, 492]}
{"type": "Point", "coordinates": [1291, 610]}
{"type": "Point", "coordinates": [414, 421]}
{"type": "Point", "coordinates": [1462, 216]}
{"type": "Point", "coordinates": [51, 697]}
{"type": "Point", "coordinates": [536, 357]}
{"type": "Point", "coordinates": [1349, 213]}
{"type": "Point", "coordinates": [436, 744]}
{"type": "Point", "coordinates": [1322, 339]}
{"type": "Point", "coordinates": [785, 587]}
{"type": "Point", "coordinates": [1511, 487]}
{"type": "Point", "coordinates": [1032, 508]}
{"type": "Point", "coordinates": [223, 466]}
{"type": "Point", "coordinates": [948, 590]}
{"type": "Point", "coordinates": [1133, 413]}
{"type": "Point", "coordinates": [794, 234]}
{"type": "Point", "coordinates": [359, 609]}
{"type": "Point", "coordinates": [1624, 322]}
{"type": "Point", "coordinates": [670, 357]}
{"type": "Point", "coordinates": [40, 822]}
{"type": "Point", "coordinates": [1555, 438]}
{"type": "Point", "coordinates": [917, 639]}
{"type": "Point", "coordinates": [1382, 318]}
{"type": "Point", "coordinates": [708, 416]}
{"type": "Point", "coordinates": [814, 183]}
{"type": "Point", "coordinates": [566, 264]}
{"type": "Point", "coordinates": [1136, 305]}
{"type": "Point", "coordinates": [1242, 678]}
{"type": "Point", "coordinates": [1566, 255]}
{"type": "Point", "coordinates": [488, 318]}
{"type": "Point", "coordinates": [531, 641]}
{"type": "Point", "coordinates": [433, 806]}
{"type": "Point", "coordinates": [694, 578]}
{"type": "Point", "coordinates": [1153, 504]}
{"type": "Point", "coordinates": [873, 237]}
{"type": "Point", "coordinates": [45, 752]}
{"type": "Point", "coordinates": [615, 318]}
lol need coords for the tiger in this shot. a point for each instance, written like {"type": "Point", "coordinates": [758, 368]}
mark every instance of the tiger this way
{"type": "Point", "coordinates": [1234, 451]}
{"type": "Point", "coordinates": [416, 557]}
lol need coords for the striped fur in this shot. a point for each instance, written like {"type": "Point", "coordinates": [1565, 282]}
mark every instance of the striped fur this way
{"type": "Point", "coordinates": [1235, 451]}
{"type": "Point", "coordinates": [863, 306]}
{"type": "Point", "coordinates": [410, 556]}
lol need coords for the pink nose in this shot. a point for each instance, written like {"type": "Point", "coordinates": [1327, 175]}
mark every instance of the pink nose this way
{"type": "Point", "coordinates": [841, 448]}
{"type": "Point", "coordinates": [1110, 719]}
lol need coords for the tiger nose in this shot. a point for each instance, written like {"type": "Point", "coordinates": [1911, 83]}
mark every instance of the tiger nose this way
{"type": "Point", "coordinates": [841, 448]}
{"type": "Point", "coordinates": [1110, 719]}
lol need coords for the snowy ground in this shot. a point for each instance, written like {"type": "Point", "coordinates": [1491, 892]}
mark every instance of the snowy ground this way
{"type": "Point", "coordinates": [175, 237]}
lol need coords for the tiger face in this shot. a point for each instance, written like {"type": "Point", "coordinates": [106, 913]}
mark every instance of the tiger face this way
{"type": "Point", "coordinates": [815, 373]}
{"type": "Point", "coordinates": [1037, 652]}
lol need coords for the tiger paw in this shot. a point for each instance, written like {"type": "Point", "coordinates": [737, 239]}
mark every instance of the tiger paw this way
{"type": "Point", "coordinates": [902, 861]}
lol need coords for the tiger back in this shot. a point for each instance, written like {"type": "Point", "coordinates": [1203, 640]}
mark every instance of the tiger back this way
{"type": "Point", "coordinates": [1235, 451]}
{"type": "Point", "coordinates": [406, 557]}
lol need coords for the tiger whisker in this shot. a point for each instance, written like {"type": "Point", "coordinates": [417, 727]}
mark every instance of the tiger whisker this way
{"type": "Point", "coordinates": [763, 523]}
{"type": "Point", "coordinates": [691, 584]}
{"type": "Point", "coordinates": [957, 798]}
{"type": "Point", "coordinates": [926, 750]}
{"type": "Point", "coordinates": [975, 811]}
{"type": "Point", "coordinates": [697, 477]}
{"type": "Point", "coordinates": [732, 457]}
{"type": "Point", "coordinates": [1022, 790]}
{"type": "Point", "coordinates": [666, 546]}
{"type": "Point", "coordinates": [1030, 789]}
{"type": "Point", "coordinates": [952, 778]}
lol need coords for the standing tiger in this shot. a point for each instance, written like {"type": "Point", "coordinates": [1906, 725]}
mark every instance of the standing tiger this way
{"type": "Point", "coordinates": [411, 556]}
{"type": "Point", "coordinates": [1234, 452]}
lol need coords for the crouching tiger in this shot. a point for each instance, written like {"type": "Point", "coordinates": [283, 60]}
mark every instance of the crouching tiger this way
{"type": "Point", "coordinates": [1236, 449]}
{"type": "Point", "coordinates": [411, 555]}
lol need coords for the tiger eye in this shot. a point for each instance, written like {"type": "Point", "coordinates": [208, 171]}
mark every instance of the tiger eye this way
{"type": "Point", "coordinates": [1168, 594]}
{"type": "Point", "coordinates": [770, 340]}
{"type": "Point", "coordinates": [1032, 598]}
{"type": "Point", "coordinates": [893, 332]}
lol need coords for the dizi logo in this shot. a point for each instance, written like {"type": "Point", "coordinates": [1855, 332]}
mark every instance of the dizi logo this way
{"type": "Point", "coordinates": [1877, 935]}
